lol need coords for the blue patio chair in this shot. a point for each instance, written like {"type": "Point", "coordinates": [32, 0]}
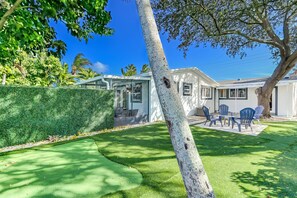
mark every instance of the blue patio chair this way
{"type": "Point", "coordinates": [246, 118]}
{"type": "Point", "coordinates": [258, 113]}
{"type": "Point", "coordinates": [223, 112]}
{"type": "Point", "coordinates": [210, 118]}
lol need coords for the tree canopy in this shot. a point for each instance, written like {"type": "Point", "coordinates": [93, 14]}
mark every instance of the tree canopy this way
{"type": "Point", "coordinates": [145, 68]}
{"type": "Point", "coordinates": [231, 24]}
{"type": "Point", "coordinates": [129, 70]}
{"type": "Point", "coordinates": [37, 70]}
{"type": "Point", "coordinates": [26, 24]}
{"type": "Point", "coordinates": [235, 25]}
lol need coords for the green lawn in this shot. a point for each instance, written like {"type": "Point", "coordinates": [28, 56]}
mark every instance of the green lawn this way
{"type": "Point", "coordinates": [75, 169]}
{"type": "Point", "coordinates": [237, 165]}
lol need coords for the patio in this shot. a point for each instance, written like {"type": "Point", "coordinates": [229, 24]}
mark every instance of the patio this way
{"type": "Point", "coordinates": [199, 121]}
{"type": "Point", "coordinates": [257, 128]}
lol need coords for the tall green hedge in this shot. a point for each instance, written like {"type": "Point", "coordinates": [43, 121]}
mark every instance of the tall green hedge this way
{"type": "Point", "coordinates": [29, 114]}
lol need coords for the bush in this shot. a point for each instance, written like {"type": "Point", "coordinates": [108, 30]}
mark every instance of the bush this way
{"type": "Point", "coordinates": [29, 114]}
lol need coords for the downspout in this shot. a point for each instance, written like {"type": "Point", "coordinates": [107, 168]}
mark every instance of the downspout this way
{"type": "Point", "coordinates": [107, 84]}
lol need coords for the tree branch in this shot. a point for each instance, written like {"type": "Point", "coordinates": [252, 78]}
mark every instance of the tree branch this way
{"type": "Point", "coordinates": [286, 33]}
{"type": "Point", "coordinates": [9, 12]}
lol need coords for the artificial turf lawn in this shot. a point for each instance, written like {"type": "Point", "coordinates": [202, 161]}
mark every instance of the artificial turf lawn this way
{"type": "Point", "coordinates": [237, 165]}
{"type": "Point", "coordinates": [75, 169]}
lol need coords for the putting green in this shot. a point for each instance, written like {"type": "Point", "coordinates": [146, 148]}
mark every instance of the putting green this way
{"type": "Point", "coordinates": [74, 169]}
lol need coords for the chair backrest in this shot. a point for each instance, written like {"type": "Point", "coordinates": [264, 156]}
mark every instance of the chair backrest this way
{"type": "Point", "coordinates": [223, 109]}
{"type": "Point", "coordinates": [247, 115]}
{"type": "Point", "coordinates": [206, 112]}
{"type": "Point", "coordinates": [258, 111]}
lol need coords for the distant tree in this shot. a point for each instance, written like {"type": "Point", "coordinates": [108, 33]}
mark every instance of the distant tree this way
{"type": "Point", "coordinates": [25, 24]}
{"type": "Point", "coordinates": [129, 70]}
{"type": "Point", "coordinates": [189, 161]}
{"type": "Point", "coordinates": [87, 73]}
{"type": "Point", "coordinates": [65, 78]}
{"type": "Point", "coordinates": [145, 68]}
{"type": "Point", "coordinates": [236, 25]}
{"type": "Point", "coordinates": [36, 70]}
{"type": "Point", "coordinates": [79, 63]}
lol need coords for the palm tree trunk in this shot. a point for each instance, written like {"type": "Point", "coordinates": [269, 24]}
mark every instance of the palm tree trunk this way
{"type": "Point", "coordinates": [190, 164]}
{"type": "Point", "coordinates": [3, 79]}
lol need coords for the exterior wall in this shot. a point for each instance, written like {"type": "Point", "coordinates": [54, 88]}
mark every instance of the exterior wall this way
{"type": "Point", "coordinates": [190, 103]}
{"type": "Point", "coordinates": [154, 104]}
{"type": "Point", "coordinates": [285, 100]}
{"type": "Point", "coordinates": [235, 105]}
{"type": "Point", "coordinates": [143, 108]}
{"type": "Point", "coordinates": [294, 97]}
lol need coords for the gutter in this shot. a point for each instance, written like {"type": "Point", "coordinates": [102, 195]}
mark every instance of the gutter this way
{"type": "Point", "coordinates": [107, 83]}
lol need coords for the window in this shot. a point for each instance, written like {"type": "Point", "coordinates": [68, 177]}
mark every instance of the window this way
{"type": "Point", "coordinates": [232, 93]}
{"type": "Point", "coordinates": [206, 92]}
{"type": "Point", "coordinates": [222, 93]}
{"type": "Point", "coordinates": [238, 93]}
{"type": "Point", "coordinates": [177, 85]}
{"type": "Point", "coordinates": [187, 89]}
{"type": "Point", "coordinates": [241, 93]}
{"type": "Point", "coordinates": [137, 93]}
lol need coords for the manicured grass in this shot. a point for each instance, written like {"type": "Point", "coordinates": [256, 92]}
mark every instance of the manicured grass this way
{"type": "Point", "coordinates": [237, 165]}
{"type": "Point", "coordinates": [75, 169]}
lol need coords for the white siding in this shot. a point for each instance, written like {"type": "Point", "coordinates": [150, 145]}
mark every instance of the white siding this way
{"type": "Point", "coordinates": [294, 97]}
{"type": "Point", "coordinates": [285, 100]}
{"type": "Point", "coordinates": [190, 103]}
{"type": "Point", "coordinates": [155, 107]}
{"type": "Point", "coordinates": [143, 106]}
{"type": "Point", "coordinates": [235, 105]}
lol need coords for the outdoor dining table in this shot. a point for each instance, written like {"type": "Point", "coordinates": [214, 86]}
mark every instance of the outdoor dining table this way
{"type": "Point", "coordinates": [230, 117]}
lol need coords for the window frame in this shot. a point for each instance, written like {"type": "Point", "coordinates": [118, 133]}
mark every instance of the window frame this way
{"type": "Point", "coordinates": [203, 87]}
{"type": "Point", "coordinates": [190, 89]}
{"type": "Point", "coordinates": [133, 99]}
{"type": "Point", "coordinates": [236, 97]}
{"type": "Point", "coordinates": [226, 91]}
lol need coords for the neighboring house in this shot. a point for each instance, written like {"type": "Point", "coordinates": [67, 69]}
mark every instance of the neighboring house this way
{"type": "Point", "coordinates": [136, 98]}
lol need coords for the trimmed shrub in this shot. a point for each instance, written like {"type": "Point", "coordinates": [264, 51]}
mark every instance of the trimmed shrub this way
{"type": "Point", "coordinates": [29, 114]}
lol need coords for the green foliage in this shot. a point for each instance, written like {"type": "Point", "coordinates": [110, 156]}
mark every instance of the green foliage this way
{"type": "Point", "coordinates": [129, 70]}
{"type": "Point", "coordinates": [79, 63]}
{"type": "Point", "coordinates": [31, 114]}
{"type": "Point", "coordinates": [28, 27]}
{"type": "Point", "coordinates": [86, 73]}
{"type": "Point", "coordinates": [145, 68]}
{"type": "Point", "coordinates": [231, 24]}
{"type": "Point", "coordinates": [38, 70]}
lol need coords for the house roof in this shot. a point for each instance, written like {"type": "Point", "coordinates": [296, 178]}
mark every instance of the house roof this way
{"type": "Point", "coordinates": [147, 76]}
{"type": "Point", "coordinates": [197, 71]}
{"type": "Point", "coordinates": [251, 82]}
{"type": "Point", "coordinates": [113, 77]}
{"type": "Point", "coordinates": [189, 69]}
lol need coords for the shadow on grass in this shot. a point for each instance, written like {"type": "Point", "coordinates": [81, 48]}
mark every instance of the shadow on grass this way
{"type": "Point", "coordinates": [149, 150]}
{"type": "Point", "coordinates": [75, 169]}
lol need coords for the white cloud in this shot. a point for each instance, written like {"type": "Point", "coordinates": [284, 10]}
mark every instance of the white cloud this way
{"type": "Point", "coordinates": [100, 67]}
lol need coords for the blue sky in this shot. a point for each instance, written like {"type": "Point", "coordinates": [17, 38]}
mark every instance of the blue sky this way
{"type": "Point", "coordinates": [126, 46]}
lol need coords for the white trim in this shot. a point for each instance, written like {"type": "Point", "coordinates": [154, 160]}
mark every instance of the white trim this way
{"type": "Point", "coordinates": [113, 77]}
{"type": "Point", "coordinates": [210, 92]}
{"type": "Point", "coordinates": [250, 85]}
{"type": "Point", "coordinates": [198, 72]}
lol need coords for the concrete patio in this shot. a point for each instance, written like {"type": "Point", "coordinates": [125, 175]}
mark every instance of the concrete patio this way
{"type": "Point", "coordinates": [257, 128]}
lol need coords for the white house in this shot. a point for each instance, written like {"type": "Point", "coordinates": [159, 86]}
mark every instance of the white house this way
{"type": "Point", "coordinates": [136, 99]}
